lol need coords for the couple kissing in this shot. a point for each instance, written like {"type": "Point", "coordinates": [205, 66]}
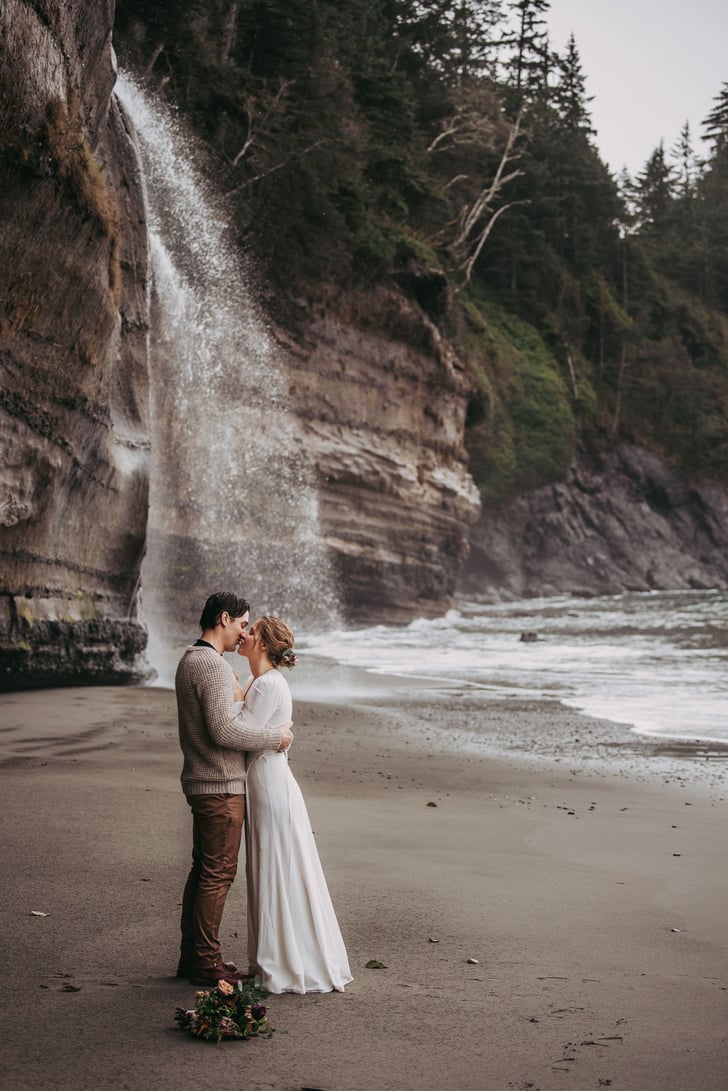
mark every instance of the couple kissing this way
{"type": "Point", "coordinates": [236, 776]}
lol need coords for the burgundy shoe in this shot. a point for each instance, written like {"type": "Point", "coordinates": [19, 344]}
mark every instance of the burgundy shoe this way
{"type": "Point", "coordinates": [213, 975]}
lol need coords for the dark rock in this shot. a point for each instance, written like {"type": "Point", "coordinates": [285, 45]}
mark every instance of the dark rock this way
{"type": "Point", "coordinates": [629, 524]}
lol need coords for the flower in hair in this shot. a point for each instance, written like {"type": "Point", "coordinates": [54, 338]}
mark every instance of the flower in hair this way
{"type": "Point", "coordinates": [288, 658]}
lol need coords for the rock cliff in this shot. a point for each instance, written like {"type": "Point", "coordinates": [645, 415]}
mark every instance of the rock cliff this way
{"type": "Point", "coordinates": [73, 355]}
{"type": "Point", "coordinates": [380, 401]}
{"type": "Point", "coordinates": [624, 522]}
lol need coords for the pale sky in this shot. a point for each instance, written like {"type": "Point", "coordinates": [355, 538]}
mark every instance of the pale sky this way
{"type": "Point", "coordinates": [651, 65]}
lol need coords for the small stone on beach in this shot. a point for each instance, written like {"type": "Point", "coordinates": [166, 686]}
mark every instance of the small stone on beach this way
{"type": "Point", "coordinates": [473, 962]}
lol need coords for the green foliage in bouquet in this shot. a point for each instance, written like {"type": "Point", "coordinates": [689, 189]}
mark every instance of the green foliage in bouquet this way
{"type": "Point", "coordinates": [228, 1011]}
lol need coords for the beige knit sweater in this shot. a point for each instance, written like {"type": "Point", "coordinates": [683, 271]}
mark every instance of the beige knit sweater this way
{"type": "Point", "coordinates": [213, 736]}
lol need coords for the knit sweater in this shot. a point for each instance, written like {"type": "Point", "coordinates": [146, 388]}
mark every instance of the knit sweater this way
{"type": "Point", "coordinates": [212, 734]}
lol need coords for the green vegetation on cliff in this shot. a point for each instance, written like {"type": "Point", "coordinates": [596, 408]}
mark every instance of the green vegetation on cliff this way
{"type": "Point", "coordinates": [443, 145]}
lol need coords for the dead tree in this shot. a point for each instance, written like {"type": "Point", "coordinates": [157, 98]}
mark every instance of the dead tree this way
{"type": "Point", "coordinates": [478, 219]}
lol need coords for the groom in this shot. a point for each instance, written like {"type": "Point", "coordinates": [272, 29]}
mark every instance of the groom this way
{"type": "Point", "coordinates": [214, 740]}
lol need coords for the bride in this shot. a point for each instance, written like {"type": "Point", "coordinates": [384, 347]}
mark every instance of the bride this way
{"type": "Point", "coordinates": [294, 941]}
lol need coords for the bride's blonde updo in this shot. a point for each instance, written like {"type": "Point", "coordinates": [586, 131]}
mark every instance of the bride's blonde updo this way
{"type": "Point", "coordinates": [278, 639]}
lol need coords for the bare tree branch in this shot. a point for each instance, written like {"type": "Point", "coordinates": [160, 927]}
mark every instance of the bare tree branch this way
{"type": "Point", "coordinates": [153, 59]}
{"type": "Point", "coordinates": [230, 29]}
{"type": "Point", "coordinates": [572, 375]}
{"type": "Point", "coordinates": [467, 267]}
{"type": "Point", "coordinates": [278, 166]}
{"type": "Point", "coordinates": [472, 123]}
{"type": "Point", "coordinates": [484, 200]}
{"type": "Point", "coordinates": [457, 178]}
{"type": "Point", "coordinates": [453, 125]}
{"type": "Point", "coordinates": [249, 138]}
{"type": "Point", "coordinates": [274, 106]}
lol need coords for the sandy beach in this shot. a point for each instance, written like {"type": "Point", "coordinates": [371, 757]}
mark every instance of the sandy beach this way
{"type": "Point", "coordinates": [584, 869]}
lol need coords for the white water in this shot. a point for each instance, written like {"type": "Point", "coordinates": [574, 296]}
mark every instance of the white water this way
{"type": "Point", "coordinates": [657, 661]}
{"type": "Point", "coordinates": [230, 506]}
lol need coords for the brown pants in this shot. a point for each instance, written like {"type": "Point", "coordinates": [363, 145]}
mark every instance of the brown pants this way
{"type": "Point", "coordinates": [217, 826]}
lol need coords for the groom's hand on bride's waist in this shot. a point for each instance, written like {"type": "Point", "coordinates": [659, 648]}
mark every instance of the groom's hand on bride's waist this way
{"type": "Point", "coordinates": [286, 736]}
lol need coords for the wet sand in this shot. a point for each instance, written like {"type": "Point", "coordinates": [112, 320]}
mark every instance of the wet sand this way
{"type": "Point", "coordinates": [581, 867]}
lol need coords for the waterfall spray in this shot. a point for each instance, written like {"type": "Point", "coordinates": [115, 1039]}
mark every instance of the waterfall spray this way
{"type": "Point", "coordinates": [230, 503]}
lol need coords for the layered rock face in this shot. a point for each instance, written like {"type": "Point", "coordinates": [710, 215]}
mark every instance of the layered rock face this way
{"type": "Point", "coordinates": [73, 353]}
{"type": "Point", "coordinates": [380, 402]}
{"type": "Point", "coordinates": [628, 524]}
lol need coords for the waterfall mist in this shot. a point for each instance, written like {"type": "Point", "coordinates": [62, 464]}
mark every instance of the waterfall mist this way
{"type": "Point", "coordinates": [230, 503]}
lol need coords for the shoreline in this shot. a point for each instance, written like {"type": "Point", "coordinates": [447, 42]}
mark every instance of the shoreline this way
{"type": "Point", "coordinates": [592, 900]}
{"type": "Point", "coordinates": [537, 733]}
{"type": "Point", "coordinates": [648, 661]}
{"type": "Point", "coordinates": [350, 682]}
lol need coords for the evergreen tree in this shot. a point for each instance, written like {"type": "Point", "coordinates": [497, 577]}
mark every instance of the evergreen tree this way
{"type": "Point", "coordinates": [713, 192]}
{"type": "Point", "coordinates": [715, 124]}
{"type": "Point", "coordinates": [477, 36]}
{"type": "Point", "coordinates": [569, 96]}
{"type": "Point", "coordinates": [654, 190]}
{"type": "Point", "coordinates": [682, 247]}
{"type": "Point", "coordinates": [687, 163]}
{"type": "Point", "coordinates": [456, 39]}
{"type": "Point", "coordinates": [531, 59]}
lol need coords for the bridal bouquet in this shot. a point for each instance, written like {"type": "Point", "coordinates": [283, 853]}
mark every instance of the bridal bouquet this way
{"type": "Point", "coordinates": [228, 1011]}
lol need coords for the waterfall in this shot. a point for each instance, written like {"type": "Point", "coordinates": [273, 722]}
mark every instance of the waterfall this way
{"type": "Point", "coordinates": [231, 506]}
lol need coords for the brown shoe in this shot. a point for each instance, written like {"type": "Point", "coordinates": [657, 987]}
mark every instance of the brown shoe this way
{"type": "Point", "coordinates": [186, 969]}
{"type": "Point", "coordinates": [213, 975]}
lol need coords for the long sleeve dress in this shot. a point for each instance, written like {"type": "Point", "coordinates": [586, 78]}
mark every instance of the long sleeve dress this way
{"type": "Point", "coordinates": [294, 940]}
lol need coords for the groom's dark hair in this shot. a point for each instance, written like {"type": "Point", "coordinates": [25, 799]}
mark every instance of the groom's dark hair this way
{"type": "Point", "coordinates": [220, 603]}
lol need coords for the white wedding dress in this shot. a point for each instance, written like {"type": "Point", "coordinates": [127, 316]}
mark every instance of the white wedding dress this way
{"type": "Point", "coordinates": [294, 940]}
